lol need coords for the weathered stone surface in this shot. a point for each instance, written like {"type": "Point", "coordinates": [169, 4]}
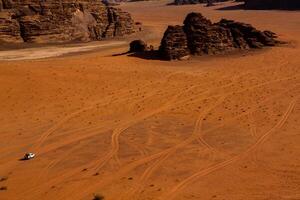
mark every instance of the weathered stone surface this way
{"type": "Point", "coordinates": [174, 44]}
{"type": "Point", "coordinates": [199, 36]}
{"type": "Point", "coordinates": [9, 28]}
{"type": "Point", "coordinates": [245, 36]}
{"type": "Point", "coordinates": [61, 21]}
{"type": "Point", "coordinates": [272, 4]}
{"type": "Point", "coordinates": [205, 37]}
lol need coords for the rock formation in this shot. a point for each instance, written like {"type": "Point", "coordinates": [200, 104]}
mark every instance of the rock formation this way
{"type": "Point", "coordinates": [138, 46]}
{"type": "Point", "coordinates": [272, 4]}
{"type": "Point", "coordinates": [174, 44]}
{"type": "Point", "coordinates": [199, 36]}
{"type": "Point", "coordinates": [48, 21]}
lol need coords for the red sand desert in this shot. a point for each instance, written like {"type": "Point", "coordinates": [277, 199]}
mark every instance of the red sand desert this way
{"type": "Point", "coordinates": [216, 127]}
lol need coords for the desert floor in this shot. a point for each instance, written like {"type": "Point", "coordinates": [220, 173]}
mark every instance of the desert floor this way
{"type": "Point", "coordinates": [221, 128]}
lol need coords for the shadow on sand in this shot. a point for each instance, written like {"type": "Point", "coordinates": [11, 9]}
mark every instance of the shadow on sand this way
{"type": "Point", "coordinates": [242, 7]}
{"type": "Point", "coordinates": [234, 7]}
{"type": "Point", "coordinates": [147, 55]}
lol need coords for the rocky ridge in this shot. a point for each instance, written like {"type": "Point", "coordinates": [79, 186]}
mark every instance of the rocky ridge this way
{"type": "Point", "coordinates": [53, 21]}
{"type": "Point", "coordinates": [199, 36]}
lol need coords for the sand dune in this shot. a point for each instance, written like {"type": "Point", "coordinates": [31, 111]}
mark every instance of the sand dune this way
{"type": "Point", "coordinates": [223, 127]}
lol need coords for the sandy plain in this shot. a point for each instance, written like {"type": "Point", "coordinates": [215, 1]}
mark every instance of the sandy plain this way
{"type": "Point", "coordinates": [221, 128]}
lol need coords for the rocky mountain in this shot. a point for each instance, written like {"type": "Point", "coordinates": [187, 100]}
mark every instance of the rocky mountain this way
{"type": "Point", "coordinates": [199, 36]}
{"type": "Point", "coordinates": [52, 21]}
{"type": "Point", "coordinates": [272, 4]}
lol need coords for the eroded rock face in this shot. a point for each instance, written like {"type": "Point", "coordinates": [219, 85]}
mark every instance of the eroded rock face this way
{"type": "Point", "coordinates": [50, 21]}
{"type": "Point", "coordinates": [9, 28]}
{"type": "Point", "coordinates": [174, 44]}
{"type": "Point", "coordinates": [199, 36]}
{"type": "Point", "coordinates": [272, 4]}
{"type": "Point", "coordinates": [205, 37]}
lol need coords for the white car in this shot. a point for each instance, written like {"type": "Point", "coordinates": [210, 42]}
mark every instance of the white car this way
{"type": "Point", "coordinates": [28, 156]}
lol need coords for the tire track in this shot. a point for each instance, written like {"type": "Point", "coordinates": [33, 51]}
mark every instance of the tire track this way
{"type": "Point", "coordinates": [118, 131]}
{"type": "Point", "coordinates": [47, 133]}
{"type": "Point", "coordinates": [174, 191]}
{"type": "Point", "coordinates": [123, 171]}
{"type": "Point", "coordinates": [150, 169]}
{"type": "Point", "coordinates": [195, 134]}
{"type": "Point", "coordinates": [155, 156]}
{"type": "Point", "coordinates": [158, 155]}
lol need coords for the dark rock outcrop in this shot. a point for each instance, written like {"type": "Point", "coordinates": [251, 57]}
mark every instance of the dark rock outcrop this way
{"type": "Point", "coordinates": [174, 44]}
{"type": "Point", "coordinates": [199, 36]}
{"type": "Point", "coordinates": [51, 21]}
{"type": "Point", "coordinates": [137, 46]}
{"type": "Point", "coordinates": [273, 4]}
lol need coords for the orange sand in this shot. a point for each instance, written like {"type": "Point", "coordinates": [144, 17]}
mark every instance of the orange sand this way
{"type": "Point", "coordinates": [221, 128]}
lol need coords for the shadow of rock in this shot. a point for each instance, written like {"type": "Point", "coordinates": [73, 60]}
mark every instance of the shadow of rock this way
{"type": "Point", "coordinates": [147, 55]}
{"type": "Point", "coordinates": [234, 7]}
{"type": "Point", "coordinates": [259, 7]}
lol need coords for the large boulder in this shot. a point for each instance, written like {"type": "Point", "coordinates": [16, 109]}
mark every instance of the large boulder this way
{"type": "Point", "coordinates": [137, 46]}
{"type": "Point", "coordinates": [50, 21]}
{"type": "Point", "coordinates": [199, 36]}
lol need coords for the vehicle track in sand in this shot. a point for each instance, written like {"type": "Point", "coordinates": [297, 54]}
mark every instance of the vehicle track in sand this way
{"type": "Point", "coordinates": [47, 133]}
{"type": "Point", "coordinates": [94, 130]}
{"type": "Point", "coordinates": [67, 118]}
{"type": "Point", "coordinates": [117, 132]}
{"type": "Point", "coordinates": [134, 193]}
{"type": "Point", "coordinates": [93, 164]}
{"type": "Point", "coordinates": [287, 78]}
{"type": "Point", "coordinates": [167, 106]}
{"type": "Point", "coordinates": [162, 153]}
{"type": "Point", "coordinates": [174, 191]}
{"type": "Point", "coordinates": [252, 87]}
{"type": "Point", "coordinates": [152, 157]}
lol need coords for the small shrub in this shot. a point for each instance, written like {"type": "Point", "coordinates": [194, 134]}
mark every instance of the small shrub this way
{"type": "Point", "coordinates": [96, 174]}
{"type": "Point", "coordinates": [3, 188]}
{"type": "Point", "coordinates": [98, 197]}
{"type": "Point", "coordinates": [3, 179]}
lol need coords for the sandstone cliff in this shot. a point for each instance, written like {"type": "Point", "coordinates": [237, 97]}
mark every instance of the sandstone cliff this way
{"type": "Point", "coordinates": [48, 21]}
